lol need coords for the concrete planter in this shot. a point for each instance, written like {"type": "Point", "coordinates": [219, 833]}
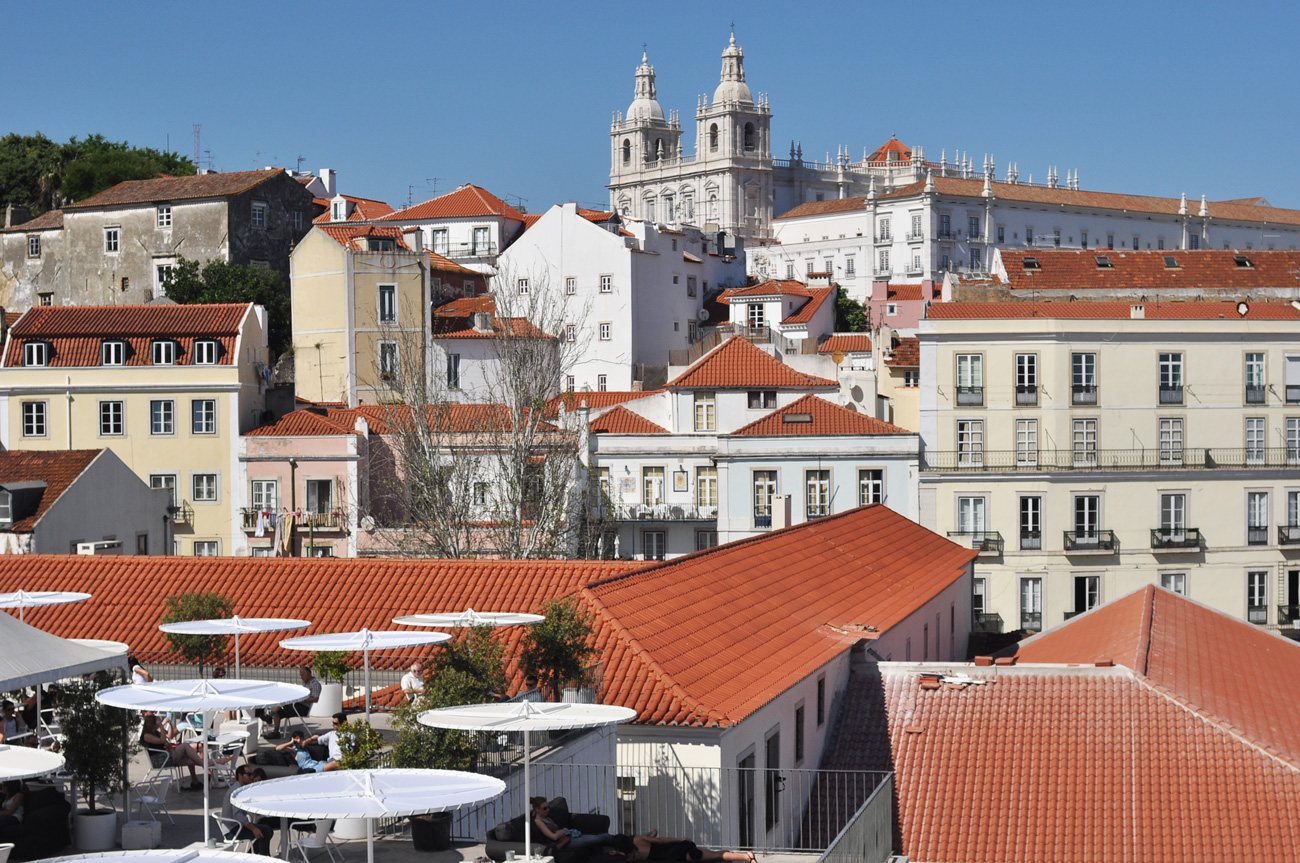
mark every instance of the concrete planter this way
{"type": "Point", "coordinates": [350, 828]}
{"type": "Point", "coordinates": [97, 832]}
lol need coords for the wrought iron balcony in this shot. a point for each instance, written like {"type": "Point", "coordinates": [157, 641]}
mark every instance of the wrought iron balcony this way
{"type": "Point", "coordinates": [1255, 395]}
{"type": "Point", "coordinates": [1257, 614]}
{"type": "Point", "coordinates": [1175, 539]}
{"type": "Point", "coordinates": [1026, 394]}
{"type": "Point", "coordinates": [1031, 540]}
{"type": "Point", "coordinates": [1256, 536]}
{"type": "Point", "coordinates": [1292, 394]}
{"type": "Point", "coordinates": [1288, 615]}
{"type": "Point", "coordinates": [1171, 395]}
{"type": "Point", "coordinates": [1156, 458]}
{"type": "Point", "coordinates": [983, 621]}
{"type": "Point", "coordinates": [1083, 394]}
{"type": "Point", "coordinates": [667, 512]}
{"type": "Point", "coordinates": [1076, 613]}
{"type": "Point", "coordinates": [970, 395]}
{"type": "Point", "coordinates": [1288, 534]}
{"type": "Point", "coordinates": [1031, 621]}
{"type": "Point", "coordinates": [987, 542]}
{"type": "Point", "coordinates": [1091, 542]}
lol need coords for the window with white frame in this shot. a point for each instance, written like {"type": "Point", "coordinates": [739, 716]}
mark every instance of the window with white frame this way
{"type": "Point", "coordinates": [761, 399]}
{"type": "Point", "coordinates": [970, 514]}
{"type": "Point", "coordinates": [205, 352]}
{"type": "Point", "coordinates": [693, 331]}
{"type": "Point", "coordinates": [320, 496]}
{"type": "Point", "coordinates": [522, 285]}
{"type": "Point", "coordinates": [705, 409]}
{"type": "Point", "coordinates": [203, 416]}
{"type": "Point", "coordinates": [911, 377]}
{"type": "Point", "coordinates": [916, 226]}
{"type": "Point", "coordinates": [1171, 440]}
{"type": "Point", "coordinates": [162, 272]}
{"type": "Point", "coordinates": [570, 332]}
{"type": "Point", "coordinates": [1087, 517]}
{"type": "Point", "coordinates": [480, 493]}
{"type": "Point", "coordinates": [884, 228]}
{"type": "Point", "coordinates": [605, 331]}
{"type": "Point", "coordinates": [979, 597]}
{"type": "Point", "coordinates": [1031, 603]}
{"type": "Point", "coordinates": [706, 486]}
{"type": "Point", "coordinates": [970, 379]}
{"type": "Point", "coordinates": [34, 246]}
{"type": "Point", "coordinates": [602, 383]}
{"type": "Point", "coordinates": [1174, 581]}
{"type": "Point", "coordinates": [34, 419]}
{"type": "Point", "coordinates": [112, 240]}
{"type": "Point", "coordinates": [705, 539]}
{"type": "Point", "coordinates": [259, 214]}
{"type": "Point", "coordinates": [1293, 440]}
{"type": "Point", "coordinates": [388, 361]}
{"type": "Point", "coordinates": [162, 352]}
{"type": "Point", "coordinates": [570, 286]}
{"type": "Point", "coordinates": [891, 309]}
{"type": "Point", "coordinates": [440, 242]}
{"type": "Point", "coordinates": [162, 417]}
{"type": "Point", "coordinates": [1256, 437]}
{"type": "Point", "coordinates": [112, 353]}
{"type": "Point", "coordinates": [1026, 443]}
{"type": "Point", "coordinates": [482, 241]}
{"type": "Point", "coordinates": [1257, 596]}
{"type": "Point", "coordinates": [817, 493]}
{"type": "Point", "coordinates": [1171, 378]}
{"type": "Point", "coordinates": [1257, 518]}
{"type": "Point", "coordinates": [1173, 511]}
{"type": "Point", "coordinates": [653, 544]}
{"type": "Point", "coordinates": [970, 443]}
{"type": "Point", "coordinates": [338, 211]}
{"type": "Point", "coordinates": [570, 382]}
{"type": "Point", "coordinates": [1031, 523]}
{"type": "Point", "coordinates": [871, 486]}
{"type": "Point", "coordinates": [606, 284]}
{"type": "Point", "coordinates": [206, 548]}
{"type": "Point", "coordinates": [789, 269]}
{"type": "Point", "coordinates": [1083, 377]}
{"type": "Point", "coordinates": [973, 227]}
{"type": "Point", "coordinates": [204, 488]}
{"type": "Point", "coordinates": [1083, 434]}
{"type": "Point", "coordinates": [165, 481]}
{"type": "Point", "coordinates": [111, 418]}
{"type": "Point", "coordinates": [764, 484]}
{"type": "Point", "coordinates": [882, 262]}
{"type": "Point", "coordinates": [164, 215]}
{"type": "Point", "coordinates": [265, 495]}
{"type": "Point", "coordinates": [976, 259]}
{"type": "Point", "coordinates": [36, 353]}
{"type": "Point", "coordinates": [453, 371]}
{"type": "Point", "coordinates": [1255, 393]}
{"type": "Point", "coordinates": [1087, 592]}
{"type": "Point", "coordinates": [850, 266]}
{"type": "Point", "coordinates": [388, 304]}
{"type": "Point", "coordinates": [6, 507]}
{"type": "Point", "coordinates": [297, 220]}
{"type": "Point", "coordinates": [652, 486]}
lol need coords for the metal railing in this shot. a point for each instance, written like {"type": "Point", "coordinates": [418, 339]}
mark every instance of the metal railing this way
{"type": "Point", "coordinates": [1171, 395]}
{"type": "Point", "coordinates": [986, 621]}
{"type": "Point", "coordinates": [1256, 395]}
{"type": "Point", "coordinates": [986, 542]}
{"type": "Point", "coordinates": [970, 395]}
{"type": "Point", "coordinates": [1083, 394]}
{"type": "Point", "coordinates": [762, 520]}
{"type": "Point", "coordinates": [182, 513]}
{"type": "Point", "coordinates": [1256, 536]}
{"type": "Point", "coordinates": [1287, 615]}
{"type": "Point", "coordinates": [1031, 621]}
{"type": "Point", "coordinates": [1091, 540]}
{"type": "Point", "coordinates": [337, 520]}
{"type": "Point", "coordinates": [1288, 534]}
{"type": "Point", "coordinates": [1031, 540]}
{"type": "Point", "coordinates": [869, 835]}
{"type": "Point", "coordinates": [1257, 614]}
{"type": "Point", "coordinates": [1112, 459]}
{"type": "Point", "coordinates": [1292, 394]}
{"type": "Point", "coordinates": [1175, 539]}
{"type": "Point", "coordinates": [665, 512]}
{"type": "Point", "coordinates": [1026, 394]}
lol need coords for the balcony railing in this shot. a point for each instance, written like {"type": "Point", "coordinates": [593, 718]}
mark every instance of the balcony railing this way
{"type": "Point", "coordinates": [1097, 541]}
{"type": "Point", "coordinates": [1031, 621]}
{"type": "Point", "coordinates": [182, 512]}
{"type": "Point", "coordinates": [1075, 613]}
{"type": "Point", "coordinates": [987, 542]}
{"type": "Point", "coordinates": [1292, 394]}
{"type": "Point", "coordinates": [1155, 458]}
{"type": "Point", "coordinates": [1257, 614]}
{"type": "Point", "coordinates": [1031, 540]}
{"type": "Point", "coordinates": [1083, 394]}
{"type": "Point", "coordinates": [1287, 615]}
{"type": "Point", "coordinates": [970, 395]}
{"type": "Point", "coordinates": [467, 250]}
{"type": "Point", "coordinates": [1288, 534]}
{"type": "Point", "coordinates": [1256, 395]}
{"type": "Point", "coordinates": [665, 512]}
{"type": "Point", "coordinates": [1026, 394]}
{"type": "Point", "coordinates": [763, 520]}
{"type": "Point", "coordinates": [326, 521]}
{"type": "Point", "coordinates": [1175, 539]}
{"type": "Point", "coordinates": [1171, 395]}
{"type": "Point", "coordinates": [986, 621]}
{"type": "Point", "coordinates": [1256, 536]}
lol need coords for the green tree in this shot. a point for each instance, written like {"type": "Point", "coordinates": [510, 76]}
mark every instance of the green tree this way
{"type": "Point", "coordinates": [850, 316]}
{"type": "Point", "coordinates": [558, 649]}
{"type": "Point", "coordinates": [218, 282]}
{"type": "Point", "coordinates": [360, 744]}
{"type": "Point", "coordinates": [94, 734]}
{"type": "Point", "coordinates": [202, 650]}
{"type": "Point", "coordinates": [332, 665]}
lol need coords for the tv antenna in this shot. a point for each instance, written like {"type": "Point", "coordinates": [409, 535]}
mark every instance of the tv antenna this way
{"type": "Point", "coordinates": [301, 159]}
{"type": "Point", "coordinates": [433, 184]}
{"type": "Point", "coordinates": [198, 144]}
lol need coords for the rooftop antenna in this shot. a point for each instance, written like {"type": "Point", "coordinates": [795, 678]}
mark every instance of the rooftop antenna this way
{"type": "Point", "coordinates": [410, 194]}
{"type": "Point", "coordinates": [521, 206]}
{"type": "Point", "coordinates": [301, 159]}
{"type": "Point", "coordinates": [198, 144]}
{"type": "Point", "coordinates": [208, 154]}
{"type": "Point", "coordinates": [433, 184]}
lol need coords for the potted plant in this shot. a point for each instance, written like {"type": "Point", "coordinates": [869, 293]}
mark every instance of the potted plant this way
{"type": "Point", "coordinates": [331, 666]}
{"type": "Point", "coordinates": [360, 744]}
{"type": "Point", "coordinates": [559, 649]}
{"type": "Point", "coordinates": [469, 669]}
{"type": "Point", "coordinates": [95, 735]}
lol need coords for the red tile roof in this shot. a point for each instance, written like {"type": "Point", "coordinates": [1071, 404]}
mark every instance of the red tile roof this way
{"type": "Point", "coordinates": [805, 313]}
{"type": "Point", "coordinates": [770, 288]}
{"type": "Point", "coordinates": [347, 235]}
{"type": "Point", "coordinates": [11, 318]}
{"type": "Point", "coordinates": [363, 209]}
{"type": "Point", "coordinates": [457, 418]}
{"type": "Point", "coordinates": [51, 220]}
{"type": "Point", "coordinates": [737, 364]}
{"type": "Point", "coordinates": [455, 320]}
{"type": "Point", "coordinates": [751, 618]}
{"type": "Point", "coordinates": [530, 219]}
{"type": "Point", "coordinates": [895, 146]}
{"type": "Point", "coordinates": [303, 423]}
{"type": "Point", "coordinates": [346, 594]}
{"type": "Point", "coordinates": [620, 420]}
{"type": "Point", "coordinates": [468, 200]}
{"type": "Point", "coordinates": [904, 293]}
{"type": "Point", "coordinates": [597, 215]}
{"type": "Point", "coordinates": [849, 344]}
{"type": "Point", "coordinates": [906, 352]}
{"type": "Point", "coordinates": [1199, 270]}
{"type": "Point", "coordinates": [826, 208]}
{"type": "Point", "coordinates": [826, 419]}
{"type": "Point", "coordinates": [1188, 310]}
{"type": "Point", "coordinates": [440, 264]}
{"type": "Point", "coordinates": [76, 332]}
{"type": "Point", "coordinates": [595, 400]}
{"type": "Point", "coordinates": [162, 189]}
{"type": "Point", "coordinates": [57, 469]}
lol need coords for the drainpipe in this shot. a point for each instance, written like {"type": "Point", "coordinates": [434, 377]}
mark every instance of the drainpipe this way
{"type": "Point", "coordinates": [68, 396]}
{"type": "Point", "coordinates": [293, 485]}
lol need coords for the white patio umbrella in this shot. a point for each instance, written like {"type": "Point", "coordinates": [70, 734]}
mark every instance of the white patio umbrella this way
{"type": "Point", "coordinates": [161, 855]}
{"type": "Point", "coordinates": [364, 641]}
{"type": "Point", "coordinates": [368, 794]}
{"type": "Point", "coordinates": [21, 599]}
{"type": "Point", "coordinates": [234, 626]}
{"type": "Point", "coordinates": [469, 617]}
{"type": "Point", "coordinates": [526, 716]}
{"type": "Point", "coordinates": [202, 696]}
{"type": "Point", "coordinates": [24, 762]}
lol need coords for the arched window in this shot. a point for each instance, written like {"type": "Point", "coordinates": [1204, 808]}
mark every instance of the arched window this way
{"type": "Point", "coordinates": [624, 207]}
{"type": "Point", "coordinates": [659, 149]}
{"type": "Point", "coordinates": [749, 136]}
{"type": "Point", "coordinates": [713, 137]}
{"type": "Point", "coordinates": [627, 151]}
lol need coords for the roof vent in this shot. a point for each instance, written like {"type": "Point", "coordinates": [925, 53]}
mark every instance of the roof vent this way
{"type": "Point", "coordinates": [1137, 311]}
{"type": "Point", "coordinates": [796, 418]}
{"type": "Point", "coordinates": [1243, 262]}
{"type": "Point", "coordinates": [1103, 263]}
{"type": "Point", "coordinates": [1029, 262]}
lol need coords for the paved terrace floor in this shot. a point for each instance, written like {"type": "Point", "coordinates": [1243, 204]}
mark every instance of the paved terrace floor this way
{"type": "Point", "coordinates": [187, 809]}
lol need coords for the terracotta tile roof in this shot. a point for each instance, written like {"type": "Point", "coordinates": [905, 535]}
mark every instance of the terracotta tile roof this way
{"type": "Point", "coordinates": [11, 318]}
{"type": "Point", "coordinates": [302, 423]}
{"type": "Point", "coordinates": [849, 344]}
{"type": "Point", "coordinates": [770, 288]}
{"type": "Point", "coordinates": [446, 265]}
{"type": "Point", "coordinates": [805, 313]}
{"type": "Point", "coordinates": [57, 469]}
{"type": "Point", "coordinates": [468, 200]}
{"type": "Point", "coordinates": [455, 320]}
{"type": "Point", "coordinates": [620, 420]}
{"type": "Point", "coordinates": [597, 215]}
{"type": "Point", "coordinates": [176, 188]}
{"type": "Point", "coordinates": [826, 208]}
{"type": "Point", "coordinates": [1178, 646]}
{"type": "Point", "coordinates": [904, 293]}
{"type": "Point", "coordinates": [530, 219]}
{"type": "Point", "coordinates": [1199, 270]}
{"type": "Point", "coordinates": [737, 364]}
{"type": "Point", "coordinates": [906, 352]}
{"type": "Point", "coordinates": [363, 209]}
{"type": "Point", "coordinates": [751, 618]}
{"type": "Point", "coordinates": [76, 332]}
{"type": "Point", "coordinates": [895, 146]}
{"type": "Point", "coordinates": [1189, 310]}
{"type": "Point", "coordinates": [594, 400]}
{"type": "Point", "coordinates": [51, 220]}
{"type": "Point", "coordinates": [348, 235]}
{"type": "Point", "coordinates": [347, 593]}
{"type": "Point", "coordinates": [824, 419]}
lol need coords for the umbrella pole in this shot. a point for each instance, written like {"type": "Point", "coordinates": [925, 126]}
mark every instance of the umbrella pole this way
{"type": "Point", "coordinates": [236, 653]}
{"type": "Point", "coordinates": [370, 840]}
{"type": "Point", "coordinates": [207, 819]}
{"type": "Point", "coordinates": [366, 656]}
{"type": "Point", "coordinates": [528, 807]}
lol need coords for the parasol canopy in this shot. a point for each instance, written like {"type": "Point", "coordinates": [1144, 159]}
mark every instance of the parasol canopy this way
{"type": "Point", "coordinates": [22, 599]}
{"type": "Point", "coordinates": [365, 641]}
{"type": "Point", "coordinates": [24, 762]}
{"type": "Point", "coordinates": [234, 626]}
{"type": "Point", "coordinates": [469, 617]}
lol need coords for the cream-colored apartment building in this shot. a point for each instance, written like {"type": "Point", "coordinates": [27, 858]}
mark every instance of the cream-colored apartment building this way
{"type": "Point", "coordinates": [168, 388]}
{"type": "Point", "coordinates": [1087, 449]}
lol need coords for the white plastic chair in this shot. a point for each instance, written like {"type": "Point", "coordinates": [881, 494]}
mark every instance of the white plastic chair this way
{"type": "Point", "coordinates": [228, 829]}
{"type": "Point", "coordinates": [161, 763]}
{"type": "Point", "coordinates": [315, 839]}
{"type": "Point", "coordinates": [153, 792]}
{"type": "Point", "coordinates": [5, 848]}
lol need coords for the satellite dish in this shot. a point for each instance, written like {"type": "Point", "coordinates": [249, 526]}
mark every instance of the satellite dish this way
{"type": "Point", "coordinates": [703, 314]}
{"type": "Point", "coordinates": [368, 523]}
{"type": "Point", "coordinates": [837, 357]}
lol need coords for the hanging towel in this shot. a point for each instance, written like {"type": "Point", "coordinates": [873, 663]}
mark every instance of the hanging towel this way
{"type": "Point", "coordinates": [261, 524]}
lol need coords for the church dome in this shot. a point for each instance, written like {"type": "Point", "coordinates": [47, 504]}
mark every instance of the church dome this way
{"type": "Point", "coordinates": [733, 87]}
{"type": "Point", "coordinates": [645, 106]}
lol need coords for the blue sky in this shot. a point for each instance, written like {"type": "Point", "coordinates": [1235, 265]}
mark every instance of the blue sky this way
{"type": "Point", "coordinates": [1145, 98]}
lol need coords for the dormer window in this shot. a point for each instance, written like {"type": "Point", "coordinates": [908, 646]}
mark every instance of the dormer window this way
{"type": "Point", "coordinates": [338, 209]}
{"type": "Point", "coordinates": [205, 352]}
{"type": "Point", "coordinates": [36, 354]}
{"type": "Point", "coordinates": [112, 353]}
{"type": "Point", "coordinates": [6, 507]}
{"type": "Point", "coordinates": [164, 352]}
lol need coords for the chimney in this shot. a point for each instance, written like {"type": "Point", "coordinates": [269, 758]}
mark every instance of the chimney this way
{"type": "Point", "coordinates": [780, 511]}
{"type": "Point", "coordinates": [16, 214]}
{"type": "Point", "coordinates": [482, 322]}
{"type": "Point", "coordinates": [417, 240]}
{"type": "Point", "coordinates": [329, 177]}
{"type": "Point", "coordinates": [1137, 311]}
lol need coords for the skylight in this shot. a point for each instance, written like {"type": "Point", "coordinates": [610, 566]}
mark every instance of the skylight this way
{"type": "Point", "coordinates": [1242, 261]}
{"type": "Point", "coordinates": [796, 418]}
{"type": "Point", "coordinates": [1171, 263]}
{"type": "Point", "coordinates": [1103, 263]}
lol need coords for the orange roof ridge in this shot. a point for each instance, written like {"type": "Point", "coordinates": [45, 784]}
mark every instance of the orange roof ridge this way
{"type": "Point", "coordinates": [827, 418]}
{"type": "Point", "coordinates": [738, 364]}
{"type": "Point", "coordinates": [1144, 630]}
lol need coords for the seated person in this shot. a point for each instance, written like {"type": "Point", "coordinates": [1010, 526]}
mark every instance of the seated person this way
{"type": "Point", "coordinates": [298, 708]}
{"type": "Point", "coordinates": [557, 837]}
{"type": "Point", "coordinates": [139, 674]}
{"type": "Point", "coordinates": [531, 690]}
{"type": "Point", "coordinates": [298, 740]}
{"type": "Point", "coordinates": [413, 681]}
{"type": "Point", "coordinates": [330, 740]}
{"type": "Point", "coordinates": [14, 730]}
{"type": "Point", "coordinates": [154, 737]}
{"type": "Point", "coordinates": [11, 812]}
{"type": "Point", "coordinates": [260, 832]}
